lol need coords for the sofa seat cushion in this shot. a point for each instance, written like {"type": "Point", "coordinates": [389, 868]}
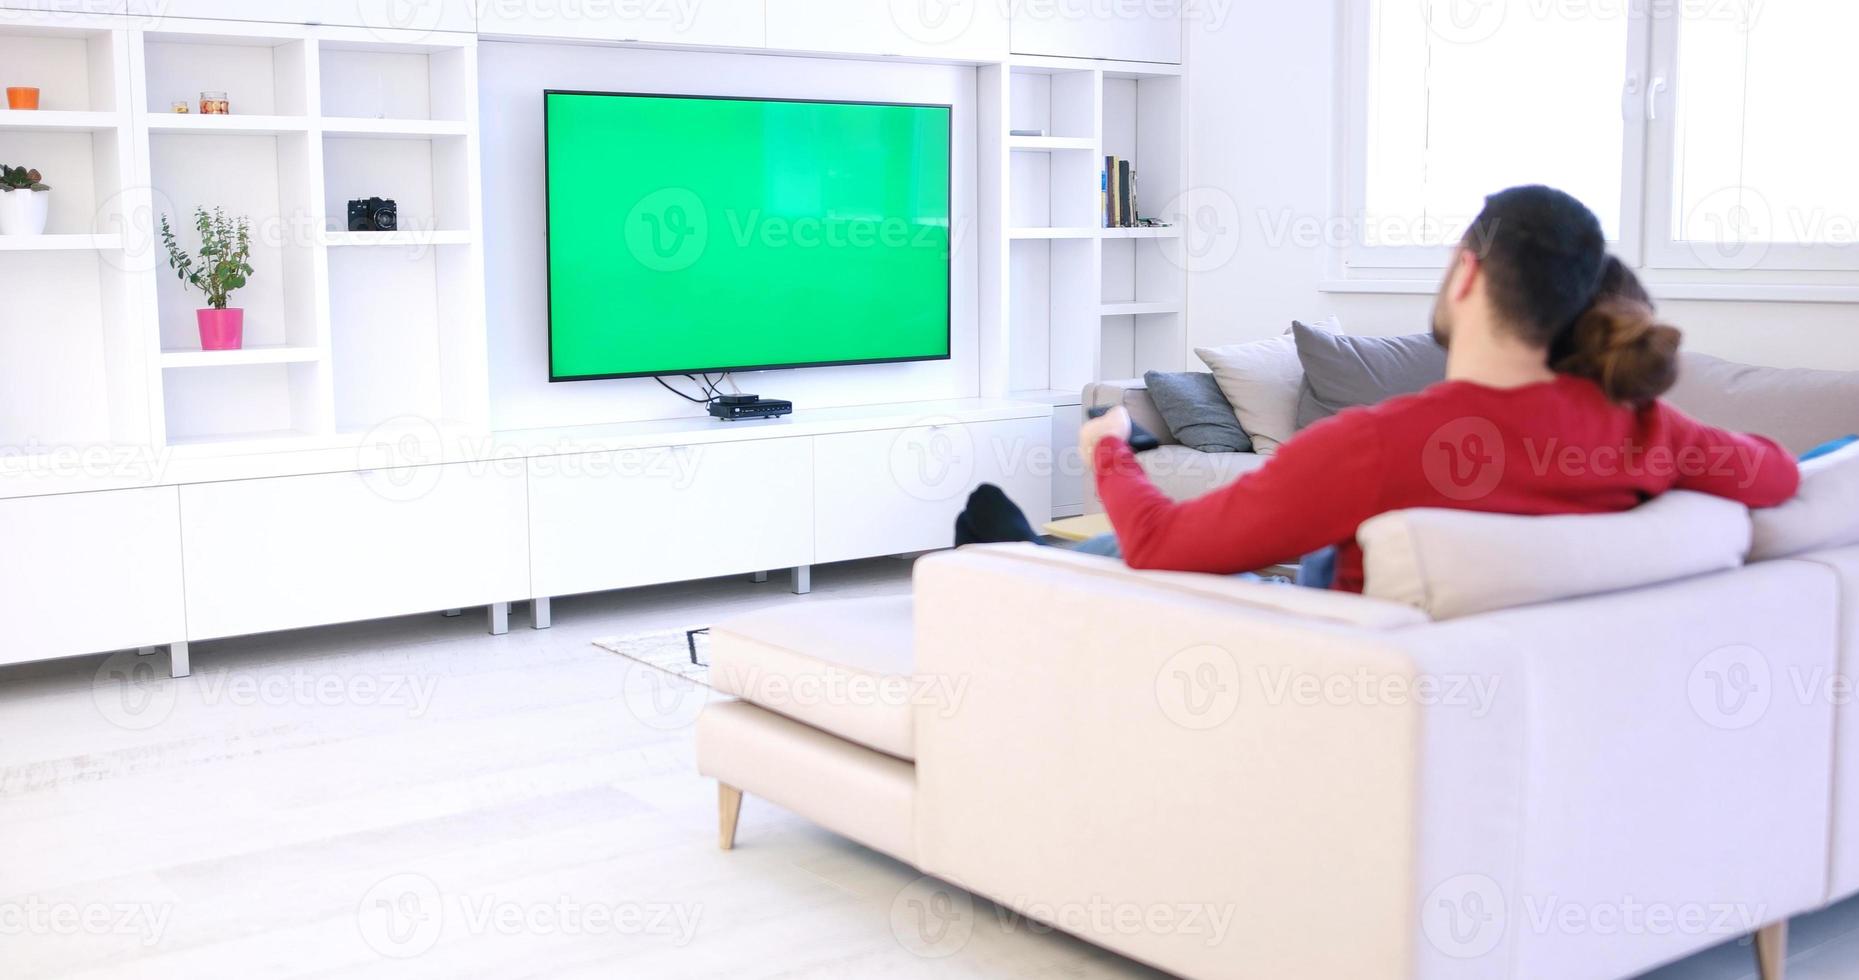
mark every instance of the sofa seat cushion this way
{"type": "Point", "coordinates": [842, 666]}
{"type": "Point", "coordinates": [1453, 563]}
{"type": "Point", "coordinates": [1185, 473]}
{"type": "Point", "coordinates": [1823, 515]}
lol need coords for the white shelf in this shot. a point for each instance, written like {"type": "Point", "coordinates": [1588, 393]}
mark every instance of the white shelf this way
{"type": "Point", "coordinates": [59, 243]}
{"type": "Point", "coordinates": [391, 128]}
{"type": "Point", "coordinates": [1048, 396]}
{"type": "Point", "coordinates": [187, 122]}
{"type": "Point", "coordinates": [1140, 309]}
{"type": "Point", "coordinates": [56, 121]}
{"type": "Point", "coordinates": [395, 238]}
{"type": "Point", "coordinates": [245, 356]}
{"type": "Point", "coordinates": [1038, 233]}
{"type": "Point", "coordinates": [1171, 231]}
{"type": "Point", "coordinates": [1049, 143]}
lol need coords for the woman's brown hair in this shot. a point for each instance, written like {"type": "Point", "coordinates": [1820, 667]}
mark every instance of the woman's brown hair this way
{"type": "Point", "coordinates": [1619, 342]}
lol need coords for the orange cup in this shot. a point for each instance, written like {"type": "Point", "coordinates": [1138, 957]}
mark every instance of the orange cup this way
{"type": "Point", "coordinates": [22, 97]}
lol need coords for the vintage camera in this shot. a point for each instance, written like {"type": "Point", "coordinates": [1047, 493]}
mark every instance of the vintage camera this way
{"type": "Point", "coordinates": [374, 214]}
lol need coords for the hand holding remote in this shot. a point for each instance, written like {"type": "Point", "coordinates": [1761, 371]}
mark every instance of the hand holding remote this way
{"type": "Point", "coordinates": [1114, 421]}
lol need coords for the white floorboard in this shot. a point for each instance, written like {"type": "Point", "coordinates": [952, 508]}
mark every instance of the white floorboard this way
{"type": "Point", "coordinates": [414, 797]}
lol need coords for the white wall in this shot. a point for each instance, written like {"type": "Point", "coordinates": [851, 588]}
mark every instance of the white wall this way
{"type": "Point", "coordinates": [1262, 107]}
{"type": "Point", "coordinates": [512, 78]}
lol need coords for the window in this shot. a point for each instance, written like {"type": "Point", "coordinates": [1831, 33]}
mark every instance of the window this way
{"type": "Point", "coordinates": [1698, 130]}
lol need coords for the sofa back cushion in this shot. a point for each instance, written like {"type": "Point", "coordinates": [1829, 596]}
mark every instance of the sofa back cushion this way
{"type": "Point", "coordinates": [1341, 371]}
{"type": "Point", "coordinates": [1261, 380]}
{"type": "Point", "coordinates": [1132, 394]}
{"type": "Point", "coordinates": [1453, 563]}
{"type": "Point", "coordinates": [1822, 516]}
{"type": "Point", "coordinates": [1197, 413]}
{"type": "Point", "coordinates": [1797, 407]}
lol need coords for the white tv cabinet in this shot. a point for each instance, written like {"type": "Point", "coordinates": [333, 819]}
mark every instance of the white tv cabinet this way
{"type": "Point", "coordinates": [196, 548]}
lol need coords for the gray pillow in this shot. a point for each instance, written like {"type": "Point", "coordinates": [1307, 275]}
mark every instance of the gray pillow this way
{"type": "Point", "coordinates": [1343, 371]}
{"type": "Point", "coordinates": [1197, 414]}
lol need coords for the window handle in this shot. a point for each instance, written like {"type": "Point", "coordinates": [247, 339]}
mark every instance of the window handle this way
{"type": "Point", "coordinates": [1653, 91]}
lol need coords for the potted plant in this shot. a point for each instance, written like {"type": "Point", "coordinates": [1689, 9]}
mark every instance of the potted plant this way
{"type": "Point", "coordinates": [24, 203]}
{"type": "Point", "coordinates": [224, 265]}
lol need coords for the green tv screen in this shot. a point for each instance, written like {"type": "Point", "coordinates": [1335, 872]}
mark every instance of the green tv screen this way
{"type": "Point", "coordinates": [692, 234]}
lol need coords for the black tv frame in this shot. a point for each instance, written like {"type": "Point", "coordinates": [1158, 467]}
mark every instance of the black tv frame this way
{"type": "Point", "coordinates": [548, 242]}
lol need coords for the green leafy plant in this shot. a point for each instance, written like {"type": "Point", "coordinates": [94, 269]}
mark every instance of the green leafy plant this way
{"type": "Point", "coordinates": [20, 179]}
{"type": "Point", "coordinates": [225, 261]}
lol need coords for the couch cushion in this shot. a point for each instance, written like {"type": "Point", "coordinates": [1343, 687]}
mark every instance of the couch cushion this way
{"type": "Point", "coordinates": [1196, 411]}
{"type": "Point", "coordinates": [843, 666]}
{"type": "Point", "coordinates": [1824, 514]}
{"type": "Point", "coordinates": [1185, 473]}
{"type": "Point", "coordinates": [1797, 407]}
{"type": "Point", "coordinates": [1341, 371]}
{"type": "Point", "coordinates": [1454, 563]}
{"type": "Point", "coordinates": [1261, 380]}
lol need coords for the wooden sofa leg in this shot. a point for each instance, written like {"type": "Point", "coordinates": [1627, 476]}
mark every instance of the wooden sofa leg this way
{"type": "Point", "coordinates": [728, 807]}
{"type": "Point", "coordinates": [1772, 951]}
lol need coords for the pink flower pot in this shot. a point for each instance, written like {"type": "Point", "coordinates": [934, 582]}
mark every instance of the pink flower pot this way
{"type": "Point", "coordinates": [221, 329]}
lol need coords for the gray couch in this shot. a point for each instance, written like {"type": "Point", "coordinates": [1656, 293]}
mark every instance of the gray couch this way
{"type": "Point", "coordinates": [1797, 407]}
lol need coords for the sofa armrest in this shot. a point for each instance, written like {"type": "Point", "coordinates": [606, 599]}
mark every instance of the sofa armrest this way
{"type": "Point", "coordinates": [1132, 394]}
{"type": "Point", "coordinates": [1121, 762]}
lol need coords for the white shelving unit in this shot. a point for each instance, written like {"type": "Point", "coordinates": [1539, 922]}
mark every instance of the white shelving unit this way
{"type": "Point", "coordinates": [1064, 300]}
{"type": "Point", "coordinates": [344, 331]}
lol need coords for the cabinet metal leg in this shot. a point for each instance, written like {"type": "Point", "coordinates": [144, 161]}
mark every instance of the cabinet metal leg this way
{"type": "Point", "coordinates": [500, 618]}
{"type": "Point", "coordinates": [539, 616]}
{"type": "Point", "coordinates": [452, 613]}
{"type": "Point", "coordinates": [759, 577]}
{"type": "Point", "coordinates": [146, 651]}
{"type": "Point", "coordinates": [177, 660]}
{"type": "Point", "coordinates": [803, 579]}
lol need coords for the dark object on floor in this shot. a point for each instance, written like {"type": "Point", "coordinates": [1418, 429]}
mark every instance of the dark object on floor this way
{"type": "Point", "coordinates": [991, 518]}
{"type": "Point", "coordinates": [690, 640]}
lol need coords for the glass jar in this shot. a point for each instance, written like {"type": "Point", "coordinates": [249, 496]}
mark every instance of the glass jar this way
{"type": "Point", "coordinates": [214, 104]}
{"type": "Point", "coordinates": [181, 106]}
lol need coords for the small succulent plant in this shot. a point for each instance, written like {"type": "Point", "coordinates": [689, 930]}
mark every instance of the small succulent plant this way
{"type": "Point", "coordinates": [20, 179]}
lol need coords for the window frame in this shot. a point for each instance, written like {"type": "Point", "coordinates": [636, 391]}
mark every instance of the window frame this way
{"type": "Point", "coordinates": [1649, 103]}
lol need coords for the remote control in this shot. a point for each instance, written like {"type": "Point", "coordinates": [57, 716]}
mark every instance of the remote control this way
{"type": "Point", "coordinates": [1141, 439]}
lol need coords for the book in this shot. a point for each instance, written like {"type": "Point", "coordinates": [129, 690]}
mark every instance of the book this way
{"type": "Point", "coordinates": [1126, 210]}
{"type": "Point", "coordinates": [1113, 211]}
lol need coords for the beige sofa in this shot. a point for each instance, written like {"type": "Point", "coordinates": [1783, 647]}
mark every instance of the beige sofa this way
{"type": "Point", "coordinates": [1799, 408]}
{"type": "Point", "coordinates": [1539, 747]}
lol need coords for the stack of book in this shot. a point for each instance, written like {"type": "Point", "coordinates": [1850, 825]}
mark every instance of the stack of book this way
{"type": "Point", "coordinates": [1118, 182]}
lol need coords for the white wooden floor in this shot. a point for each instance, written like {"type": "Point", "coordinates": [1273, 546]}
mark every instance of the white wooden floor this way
{"type": "Point", "coordinates": [416, 798]}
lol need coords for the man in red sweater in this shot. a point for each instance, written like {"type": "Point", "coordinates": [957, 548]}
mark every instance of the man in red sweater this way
{"type": "Point", "coordinates": [1555, 364]}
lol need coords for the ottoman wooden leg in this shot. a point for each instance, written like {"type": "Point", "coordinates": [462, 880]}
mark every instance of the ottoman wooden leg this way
{"type": "Point", "coordinates": [1772, 951]}
{"type": "Point", "coordinates": [728, 807]}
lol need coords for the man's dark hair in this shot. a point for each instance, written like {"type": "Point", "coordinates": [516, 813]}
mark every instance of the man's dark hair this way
{"type": "Point", "coordinates": [1543, 254]}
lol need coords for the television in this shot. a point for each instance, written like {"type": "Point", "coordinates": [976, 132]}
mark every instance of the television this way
{"type": "Point", "coordinates": [696, 234]}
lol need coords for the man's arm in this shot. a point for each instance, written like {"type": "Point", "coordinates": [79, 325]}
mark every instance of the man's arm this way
{"type": "Point", "coordinates": [1752, 470]}
{"type": "Point", "coordinates": [1319, 488]}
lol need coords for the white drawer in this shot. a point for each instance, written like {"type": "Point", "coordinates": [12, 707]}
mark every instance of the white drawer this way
{"type": "Point", "coordinates": [89, 573]}
{"type": "Point", "coordinates": [276, 554]}
{"type": "Point", "coordinates": [898, 490]}
{"type": "Point", "coordinates": [724, 23]}
{"type": "Point", "coordinates": [635, 517]}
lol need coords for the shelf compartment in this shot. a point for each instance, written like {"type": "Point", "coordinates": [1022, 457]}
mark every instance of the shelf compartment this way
{"type": "Point", "coordinates": [263, 76]}
{"type": "Point", "coordinates": [242, 357]}
{"type": "Point", "coordinates": [408, 238]}
{"type": "Point", "coordinates": [402, 82]}
{"type": "Point", "coordinates": [250, 125]}
{"type": "Point", "coordinates": [74, 70]}
{"type": "Point", "coordinates": [1049, 233]}
{"type": "Point", "coordinates": [391, 128]}
{"type": "Point", "coordinates": [1140, 309]}
{"type": "Point", "coordinates": [423, 177]}
{"type": "Point", "coordinates": [239, 403]}
{"type": "Point", "coordinates": [58, 121]}
{"type": "Point", "coordinates": [60, 243]}
{"type": "Point", "coordinates": [1036, 144]}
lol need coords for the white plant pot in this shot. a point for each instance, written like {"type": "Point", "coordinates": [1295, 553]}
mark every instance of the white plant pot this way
{"type": "Point", "coordinates": [23, 212]}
